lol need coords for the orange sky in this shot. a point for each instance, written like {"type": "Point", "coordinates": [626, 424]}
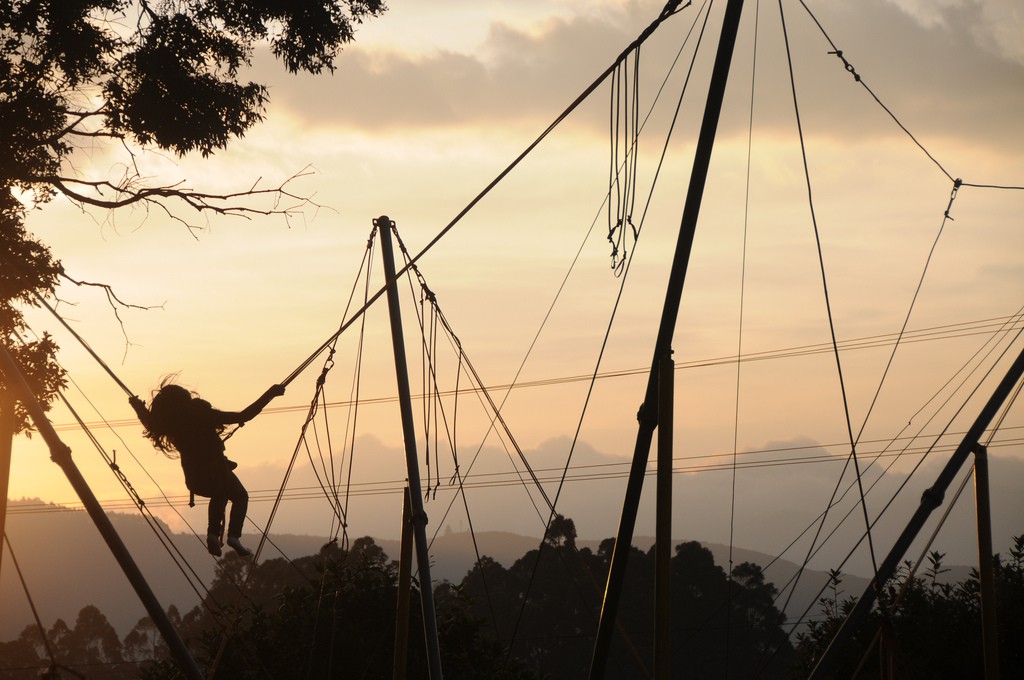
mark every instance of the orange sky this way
{"type": "Point", "coordinates": [429, 105]}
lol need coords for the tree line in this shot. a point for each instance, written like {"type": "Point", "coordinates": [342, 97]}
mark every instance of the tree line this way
{"type": "Point", "coordinates": [332, 615]}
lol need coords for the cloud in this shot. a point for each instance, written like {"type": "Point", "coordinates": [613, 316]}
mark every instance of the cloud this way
{"type": "Point", "coordinates": [949, 70]}
{"type": "Point", "coordinates": [994, 25]}
{"type": "Point", "coordinates": [518, 74]}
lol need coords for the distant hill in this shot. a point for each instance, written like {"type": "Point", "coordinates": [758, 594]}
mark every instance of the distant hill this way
{"type": "Point", "coordinates": [67, 565]}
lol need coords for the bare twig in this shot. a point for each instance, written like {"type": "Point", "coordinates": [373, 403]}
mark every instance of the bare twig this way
{"type": "Point", "coordinates": [131, 191]}
{"type": "Point", "coordinates": [115, 302]}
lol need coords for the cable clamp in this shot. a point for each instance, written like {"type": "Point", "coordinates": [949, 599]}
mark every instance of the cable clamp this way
{"type": "Point", "coordinates": [957, 183]}
{"type": "Point", "coordinates": [932, 497]}
{"type": "Point", "coordinates": [647, 415]}
{"type": "Point", "coordinates": [847, 65]}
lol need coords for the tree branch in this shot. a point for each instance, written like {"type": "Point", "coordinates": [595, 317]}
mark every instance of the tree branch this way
{"type": "Point", "coordinates": [115, 303]}
{"type": "Point", "coordinates": [110, 196]}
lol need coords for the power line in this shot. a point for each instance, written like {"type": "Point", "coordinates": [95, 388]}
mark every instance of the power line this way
{"type": "Point", "coordinates": [928, 334]}
{"type": "Point", "coordinates": [716, 462]}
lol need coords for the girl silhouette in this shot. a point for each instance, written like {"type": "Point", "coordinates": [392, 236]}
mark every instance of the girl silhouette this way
{"type": "Point", "coordinates": [179, 421]}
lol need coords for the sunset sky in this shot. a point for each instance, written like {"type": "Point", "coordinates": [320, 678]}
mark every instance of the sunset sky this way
{"type": "Point", "coordinates": [433, 101]}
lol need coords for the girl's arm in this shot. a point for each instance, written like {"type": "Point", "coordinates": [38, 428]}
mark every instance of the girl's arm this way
{"type": "Point", "coordinates": [140, 409]}
{"type": "Point", "coordinates": [252, 410]}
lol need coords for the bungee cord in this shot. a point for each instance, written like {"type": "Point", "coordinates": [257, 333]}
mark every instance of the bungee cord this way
{"type": "Point", "coordinates": [931, 449]}
{"type": "Point", "coordinates": [917, 291]}
{"type": "Point", "coordinates": [739, 334]}
{"type": "Point", "coordinates": [180, 561]}
{"type": "Point", "coordinates": [672, 7]}
{"type": "Point", "coordinates": [623, 278]}
{"type": "Point", "coordinates": [976, 359]}
{"type": "Point", "coordinates": [32, 605]}
{"type": "Point", "coordinates": [433, 410]}
{"type": "Point", "coordinates": [339, 512]}
{"type": "Point", "coordinates": [85, 345]}
{"type": "Point", "coordinates": [207, 601]}
{"type": "Point", "coordinates": [496, 416]}
{"type": "Point", "coordinates": [624, 131]}
{"type": "Point", "coordinates": [483, 391]}
{"type": "Point", "coordinates": [825, 290]}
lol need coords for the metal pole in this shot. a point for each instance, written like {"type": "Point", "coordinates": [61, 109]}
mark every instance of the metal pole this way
{"type": "Point", "coordinates": [419, 517]}
{"type": "Point", "coordinates": [6, 444]}
{"type": "Point", "coordinates": [647, 415]}
{"type": "Point", "coordinates": [986, 570]}
{"type": "Point", "coordinates": [404, 585]}
{"type": "Point", "coordinates": [930, 500]}
{"type": "Point", "coordinates": [61, 455]}
{"type": "Point", "coordinates": [663, 527]}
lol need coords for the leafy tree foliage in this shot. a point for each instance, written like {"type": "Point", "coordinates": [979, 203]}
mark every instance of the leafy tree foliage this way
{"type": "Point", "coordinates": [90, 648]}
{"type": "Point", "coordinates": [145, 74]}
{"type": "Point", "coordinates": [331, 615]}
{"type": "Point", "coordinates": [26, 270]}
{"type": "Point", "coordinates": [719, 629]}
{"type": "Point", "coordinates": [931, 629]}
{"type": "Point", "coordinates": [140, 74]}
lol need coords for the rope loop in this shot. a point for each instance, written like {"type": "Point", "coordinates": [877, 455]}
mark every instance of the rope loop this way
{"type": "Point", "coordinates": [957, 183]}
{"type": "Point", "coordinates": [328, 365]}
{"type": "Point", "coordinates": [847, 65]}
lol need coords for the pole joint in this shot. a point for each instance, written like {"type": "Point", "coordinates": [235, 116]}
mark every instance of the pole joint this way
{"type": "Point", "coordinates": [932, 498]}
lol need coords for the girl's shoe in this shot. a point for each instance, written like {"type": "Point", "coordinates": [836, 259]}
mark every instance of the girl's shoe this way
{"type": "Point", "coordinates": [236, 545]}
{"type": "Point", "coordinates": [213, 544]}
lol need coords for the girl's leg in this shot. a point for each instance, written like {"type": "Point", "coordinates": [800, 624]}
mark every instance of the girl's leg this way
{"type": "Point", "coordinates": [239, 505]}
{"type": "Point", "coordinates": [239, 498]}
{"type": "Point", "coordinates": [215, 526]}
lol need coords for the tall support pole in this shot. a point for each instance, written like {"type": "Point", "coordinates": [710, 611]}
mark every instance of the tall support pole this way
{"type": "Point", "coordinates": [419, 517]}
{"type": "Point", "coordinates": [647, 415]}
{"type": "Point", "coordinates": [404, 586]}
{"type": "Point", "coordinates": [986, 568]}
{"type": "Point", "coordinates": [930, 500]}
{"type": "Point", "coordinates": [663, 525]}
{"type": "Point", "coordinates": [6, 445]}
{"type": "Point", "coordinates": [60, 453]}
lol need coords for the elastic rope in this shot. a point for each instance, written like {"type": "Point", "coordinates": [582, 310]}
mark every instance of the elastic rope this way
{"type": "Point", "coordinates": [946, 218]}
{"type": "Point", "coordinates": [991, 186]}
{"type": "Point", "coordinates": [739, 339]}
{"type": "Point", "coordinates": [856, 76]}
{"type": "Point", "coordinates": [611, 320]}
{"type": "Point", "coordinates": [902, 486]}
{"type": "Point", "coordinates": [264, 532]}
{"type": "Point", "coordinates": [84, 344]}
{"type": "Point", "coordinates": [670, 9]}
{"type": "Point", "coordinates": [31, 603]}
{"type": "Point", "coordinates": [165, 540]}
{"type": "Point", "coordinates": [824, 281]}
{"type": "Point", "coordinates": [482, 389]}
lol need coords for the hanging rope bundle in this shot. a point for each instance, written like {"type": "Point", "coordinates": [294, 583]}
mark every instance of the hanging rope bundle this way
{"type": "Point", "coordinates": [479, 385]}
{"type": "Point", "coordinates": [624, 134]}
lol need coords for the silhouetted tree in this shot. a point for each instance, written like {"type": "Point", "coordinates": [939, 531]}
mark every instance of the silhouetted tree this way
{"type": "Point", "coordinates": [20, 658]}
{"type": "Point", "coordinates": [331, 615]}
{"type": "Point", "coordinates": [545, 608]}
{"type": "Point", "coordinates": [931, 629]}
{"type": "Point", "coordinates": [26, 270]}
{"type": "Point", "coordinates": [164, 75]}
{"type": "Point", "coordinates": [562, 532]}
